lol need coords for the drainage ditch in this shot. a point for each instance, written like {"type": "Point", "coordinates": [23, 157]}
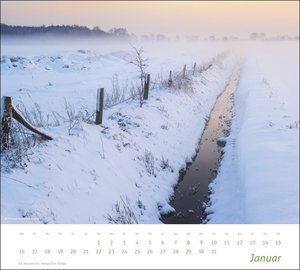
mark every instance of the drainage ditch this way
{"type": "Point", "coordinates": [191, 192]}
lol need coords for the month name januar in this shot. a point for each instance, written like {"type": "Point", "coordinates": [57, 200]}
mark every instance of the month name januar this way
{"type": "Point", "coordinates": [260, 258]}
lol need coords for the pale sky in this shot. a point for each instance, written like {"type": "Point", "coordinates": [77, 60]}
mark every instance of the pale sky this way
{"type": "Point", "coordinates": [167, 17]}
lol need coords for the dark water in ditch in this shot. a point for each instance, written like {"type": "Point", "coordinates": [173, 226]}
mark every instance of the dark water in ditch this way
{"type": "Point", "coordinates": [192, 189]}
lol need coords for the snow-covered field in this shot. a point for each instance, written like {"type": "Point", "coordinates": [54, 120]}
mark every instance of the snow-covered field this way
{"type": "Point", "coordinates": [94, 174]}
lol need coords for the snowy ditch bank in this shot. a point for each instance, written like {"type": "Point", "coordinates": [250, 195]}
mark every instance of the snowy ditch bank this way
{"type": "Point", "coordinates": [258, 180]}
{"type": "Point", "coordinates": [191, 193]}
{"type": "Point", "coordinates": [121, 172]}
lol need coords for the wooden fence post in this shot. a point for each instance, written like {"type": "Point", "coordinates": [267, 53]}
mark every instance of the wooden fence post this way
{"type": "Point", "coordinates": [170, 79]}
{"type": "Point", "coordinates": [99, 107]}
{"type": "Point", "coordinates": [146, 87]}
{"type": "Point", "coordinates": [194, 69]}
{"type": "Point", "coordinates": [8, 111]}
{"type": "Point", "coordinates": [184, 70]}
{"type": "Point", "coordinates": [6, 116]}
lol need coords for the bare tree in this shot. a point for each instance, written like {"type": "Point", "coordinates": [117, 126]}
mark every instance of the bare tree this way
{"type": "Point", "coordinates": [141, 63]}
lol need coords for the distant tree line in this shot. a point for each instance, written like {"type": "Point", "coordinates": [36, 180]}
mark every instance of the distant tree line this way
{"type": "Point", "coordinates": [263, 36]}
{"type": "Point", "coordinates": [69, 30]}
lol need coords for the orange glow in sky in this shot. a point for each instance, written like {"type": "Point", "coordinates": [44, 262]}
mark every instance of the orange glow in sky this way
{"type": "Point", "coordinates": [167, 17]}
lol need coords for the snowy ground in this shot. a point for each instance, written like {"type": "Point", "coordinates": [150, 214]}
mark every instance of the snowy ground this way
{"type": "Point", "coordinates": [133, 160]}
{"type": "Point", "coordinates": [134, 157]}
{"type": "Point", "coordinates": [258, 181]}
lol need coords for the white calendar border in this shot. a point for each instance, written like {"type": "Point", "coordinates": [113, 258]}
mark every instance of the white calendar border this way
{"type": "Point", "coordinates": [228, 258]}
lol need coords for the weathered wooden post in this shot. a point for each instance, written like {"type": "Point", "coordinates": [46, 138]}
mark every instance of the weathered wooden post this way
{"type": "Point", "coordinates": [146, 87]}
{"type": "Point", "coordinates": [6, 116]}
{"type": "Point", "coordinates": [184, 71]}
{"type": "Point", "coordinates": [170, 79]}
{"type": "Point", "coordinates": [99, 107]}
{"type": "Point", "coordinates": [8, 111]}
{"type": "Point", "coordinates": [194, 69]}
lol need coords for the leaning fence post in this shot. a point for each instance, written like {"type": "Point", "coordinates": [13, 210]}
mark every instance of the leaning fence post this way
{"type": "Point", "coordinates": [6, 116]}
{"type": "Point", "coordinates": [170, 79]}
{"type": "Point", "coordinates": [146, 87]}
{"type": "Point", "coordinates": [99, 108]}
{"type": "Point", "coordinates": [184, 70]}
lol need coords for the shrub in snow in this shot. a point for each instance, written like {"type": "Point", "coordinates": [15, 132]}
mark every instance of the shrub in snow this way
{"type": "Point", "coordinates": [294, 125]}
{"type": "Point", "coordinates": [164, 164]}
{"type": "Point", "coordinates": [181, 82]}
{"type": "Point", "coordinates": [74, 119]}
{"type": "Point", "coordinates": [20, 151]}
{"type": "Point", "coordinates": [123, 213]}
{"type": "Point", "coordinates": [117, 94]}
{"type": "Point", "coordinates": [149, 162]}
{"type": "Point", "coordinates": [34, 115]}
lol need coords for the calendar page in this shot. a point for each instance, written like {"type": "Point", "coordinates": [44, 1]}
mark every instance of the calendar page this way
{"type": "Point", "coordinates": [149, 135]}
{"type": "Point", "coordinates": [150, 247]}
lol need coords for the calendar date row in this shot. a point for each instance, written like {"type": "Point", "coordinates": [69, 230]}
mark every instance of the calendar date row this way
{"type": "Point", "coordinates": [112, 251]}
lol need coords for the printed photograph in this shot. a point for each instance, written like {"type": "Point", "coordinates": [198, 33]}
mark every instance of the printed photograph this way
{"type": "Point", "coordinates": [149, 112]}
